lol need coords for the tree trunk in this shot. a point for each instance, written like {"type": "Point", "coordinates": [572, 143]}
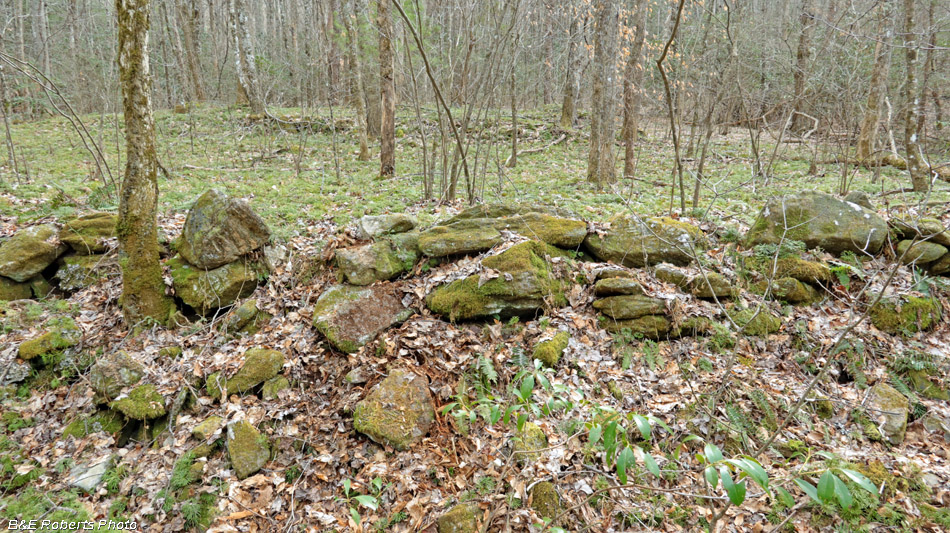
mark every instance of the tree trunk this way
{"type": "Point", "coordinates": [42, 36]}
{"type": "Point", "coordinates": [919, 172]}
{"type": "Point", "coordinates": [387, 91]}
{"type": "Point", "coordinates": [188, 13]}
{"type": "Point", "coordinates": [882, 61]}
{"type": "Point", "coordinates": [358, 75]}
{"type": "Point", "coordinates": [143, 291]}
{"type": "Point", "coordinates": [568, 107]}
{"type": "Point", "coordinates": [244, 56]}
{"type": "Point", "coordinates": [800, 122]}
{"type": "Point", "coordinates": [632, 79]}
{"type": "Point", "coordinates": [600, 157]}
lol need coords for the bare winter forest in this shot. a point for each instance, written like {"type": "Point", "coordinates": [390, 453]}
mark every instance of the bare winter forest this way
{"type": "Point", "coordinates": [466, 266]}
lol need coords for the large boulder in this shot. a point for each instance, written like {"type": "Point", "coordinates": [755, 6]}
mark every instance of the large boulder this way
{"type": "Point", "coordinates": [920, 253]}
{"type": "Point", "coordinates": [220, 229]}
{"type": "Point", "coordinates": [89, 234]}
{"type": "Point", "coordinates": [507, 210]}
{"type": "Point", "coordinates": [889, 408]}
{"type": "Point", "coordinates": [370, 226]}
{"type": "Point", "coordinates": [260, 365]}
{"type": "Point", "coordinates": [398, 412]}
{"type": "Point", "coordinates": [14, 290]}
{"type": "Point", "coordinates": [930, 229]}
{"type": "Point", "coordinates": [462, 237]}
{"type": "Point", "coordinates": [349, 317]}
{"type": "Point", "coordinates": [470, 235]}
{"type": "Point", "coordinates": [638, 243]}
{"type": "Point", "coordinates": [248, 449]}
{"type": "Point", "coordinates": [29, 252]}
{"type": "Point", "coordinates": [382, 260]}
{"type": "Point", "coordinates": [630, 306]}
{"type": "Point", "coordinates": [112, 373]}
{"type": "Point", "coordinates": [518, 281]}
{"type": "Point", "coordinates": [208, 290]}
{"type": "Point", "coordinates": [556, 231]}
{"type": "Point", "coordinates": [820, 221]}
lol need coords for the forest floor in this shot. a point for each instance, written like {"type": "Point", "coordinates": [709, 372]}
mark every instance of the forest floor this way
{"type": "Point", "coordinates": [730, 390]}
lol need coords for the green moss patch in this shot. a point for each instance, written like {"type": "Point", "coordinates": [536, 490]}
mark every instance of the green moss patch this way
{"type": "Point", "coordinates": [915, 314]}
{"type": "Point", "coordinates": [549, 351]}
{"type": "Point", "coordinates": [142, 403]}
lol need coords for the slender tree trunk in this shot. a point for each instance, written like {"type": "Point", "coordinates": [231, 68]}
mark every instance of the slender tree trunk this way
{"type": "Point", "coordinates": [600, 157]}
{"type": "Point", "coordinates": [799, 122]}
{"type": "Point", "coordinates": [42, 36]}
{"type": "Point", "coordinates": [513, 160]}
{"type": "Point", "coordinates": [387, 91]}
{"type": "Point", "coordinates": [143, 291]}
{"type": "Point", "coordinates": [867, 137]}
{"type": "Point", "coordinates": [351, 39]}
{"type": "Point", "coordinates": [916, 165]}
{"type": "Point", "coordinates": [188, 14]}
{"type": "Point", "coordinates": [632, 79]}
{"type": "Point", "coordinates": [244, 56]}
{"type": "Point", "coordinates": [568, 106]}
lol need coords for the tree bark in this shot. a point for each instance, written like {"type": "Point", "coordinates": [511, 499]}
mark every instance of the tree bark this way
{"type": "Point", "coordinates": [42, 36]}
{"type": "Point", "coordinates": [916, 165]}
{"type": "Point", "coordinates": [867, 137]}
{"type": "Point", "coordinates": [632, 79]}
{"type": "Point", "coordinates": [387, 91]}
{"type": "Point", "coordinates": [244, 56]}
{"type": "Point", "coordinates": [800, 75]}
{"type": "Point", "coordinates": [143, 291]}
{"type": "Point", "coordinates": [568, 106]}
{"type": "Point", "coordinates": [600, 157]}
{"type": "Point", "coordinates": [188, 13]}
{"type": "Point", "coordinates": [358, 75]}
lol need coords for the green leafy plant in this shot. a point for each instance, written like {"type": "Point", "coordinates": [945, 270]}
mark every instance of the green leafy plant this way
{"type": "Point", "coordinates": [354, 500]}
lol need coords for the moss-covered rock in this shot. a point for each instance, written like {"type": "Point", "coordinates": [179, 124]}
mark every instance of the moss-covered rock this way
{"type": "Point", "coordinates": [460, 519]}
{"type": "Point", "coordinates": [630, 306]}
{"type": "Point", "coordinates": [397, 412]}
{"type": "Point", "coordinates": [382, 260]}
{"type": "Point", "coordinates": [244, 319]}
{"type": "Point", "coordinates": [926, 386]}
{"type": "Point", "coordinates": [920, 253]}
{"type": "Point", "coordinates": [207, 428]}
{"type": "Point", "coordinates": [617, 286]}
{"type": "Point", "coordinates": [507, 210]}
{"type": "Point", "coordinates": [260, 365]}
{"type": "Point", "coordinates": [908, 317]}
{"type": "Point", "coordinates": [758, 324]}
{"type": "Point", "coordinates": [29, 252]}
{"type": "Point", "coordinates": [106, 421]}
{"type": "Point", "coordinates": [63, 334]}
{"type": "Point", "coordinates": [636, 243]}
{"type": "Point", "coordinates": [170, 352]}
{"type": "Point", "coordinates": [930, 229]}
{"type": "Point", "coordinates": [803, 270]}
{"type": "Point", "coordinates": [112, 373]}
{"type": "Point", "coordinates": [463, 237]}
{"type": "Point", "coordinates": [80, 272]}
{"type": "Point", "coordinates": [545, 500]}
{"type": "Point", "coordinates": [789, 290]}
{"type": "Point", "coordinates": [219, 230]}
{"type": "Point", "coordinates": [248, 449]}
{"type": "Point", "coordinates": [208, 290]}
{"type": "Point", "coordinates": [527, 444]}
{"type": "Point", "coordinates": [40, 286]}
{"type": "Point", "coordinates": [561, 232]}
{"type": "Point", "coordinates": [861, 198]}
{"type": "Point", "coordinates": [349, 317]}
{"type": "Point", "coordinates": [940, 267]}
{"type": "Point", "coordinates": [889, 408]}
{"type": "Point", "coordinates": [714, 285]}
{"type": "Point", "coordinates": [370, 226]}
{"type": "Point", "coordinates": [14, 290]}
{"type": "Point", "coordinates": [524, 284]}
{"type": "Point", "coordinates": [89, 234]}
{"type": "Point", "coordinates": [670, 274]}
{"type": "Point", "coordinates": [273, 386]}
{"type": "Point", "coordinates": [654, 327]}
{"type": "Point", "coordinates": [549, 350]}
{"type": "Point", "coordinates": [820, 221]}
{"type": "Point", "coordinates": [142, 403]}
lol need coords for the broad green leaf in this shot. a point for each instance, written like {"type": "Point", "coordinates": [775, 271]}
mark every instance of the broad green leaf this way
{"type": "Point", "coordinates": [367, 501]}
{"type": "Point", "coordinates": [643, 425]}
{"type": "Point", "coordinates": [610, 440]}
{"type": "Point", "coordinates": [726, 477]}
{"type": "Point", "coordinates": [842, 493]}
{"type": "Point", "coordinates": [526, 387]}
{"type": "Point", "coordinates": [826, 455]}
{"type": "Point", "coordinates": [594, 436]}
{"type": "Point", "coordinates": [861, 480]}
{"type": "Point", "coordinates": [808, 489]}
{"type": "Point", "coordinates": [355, 515]}
{"type": "Point", "coordinates": [544, 382]}
{"type": "Point", "coordinates": [449, 407]}
{"type": "Point", "coordinates": [624, 460]}
{"type": "Point", "coordinates": [712, 477]}
{"type": "Point", "coordinates": [753, 470]}
{"type": "Point", "coordinates": [826, 486]}
{"type": "Point", "coordinates": [522, 420]}
{"type": "Point", "coordinates": [737, 493]}
{"type": "Point", "coordinates": [783, 496]}
{"type": "Point", "coordinates": [713, 455]}
{"type": "Point", "coordinates": [346, 486]}
{"type": "Point", "coordinates": [654, 420]}
{"type": "Point", "coordinates": [650, 463]}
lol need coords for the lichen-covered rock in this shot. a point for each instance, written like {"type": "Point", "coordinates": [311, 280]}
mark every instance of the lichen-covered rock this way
{"type": "Point", "coordinates": [889, 408]}
{"type": "Point", "coordinates": [142, 403]}
{"type": "Point", "coordinates": [89, 234]}
{"type": "Point", "coordinates": [80, 272]}
{"type": "Point", "coordinates": [507, 210]}
{"type": "Point", "coordinates": [219, 230]}
{"type": "Point", "coordinates": [617, 286]}
{"type": "Point", "coordinates": [803, 270]}
{"type": "Point", "coordinates": [62, 334]}
{"type": "Point", "coordinates": [525, 281]}
{"type": "Point", "coordinates": [107, 421]}
{"type": "Point", "coordinates": [370, 226]}
{"type": "Point", "coordinates": [381, 260]}
{"type": "Point", "coordinates": [919, 253]}
{"type": "Point", "coordinates": [462, 237]}
{"type": "Point", "coordinates": [549, 350]}
{"type": "Point", "coordinates": [112, 373]}
{"type": "Point", "coordinates": [245, 318]}
{"type": "Point", "coordinates": [460, 519]}
{"type": "Point", "coordinates": [561, 232]}
{"type": "Point", "coordinates": [630, 306]}
{"type": "Point", "coordinates": [14, 290]}
{"type": "Point", "coordinates": [714, 285]}
{"type": "Point", "coordinates": [397, 412]}
{"type": "Point", "coordinates": [248, 449]}
{"type": "Point", "coordinates": [930, 229]}
{"type": "Point", "coordinates": [758, 324]}
{"type": "Point", "coordinates": [654, 327]}
{"type": "Point", "coordinates": [908, 317]}
{"type": "Point", "coordinates": [820, 221]}
{"type": "Point", "coordinates": [545, 500]}
{"type": "Point", "coordinates": [670, 274]}
{"type": "Point", "coordinates": [260, 365]}
{"type": "Point", "coordinates": [789, 290]}
{"type": "Point", "coordinates": [349, 317]}
{"type": "Point", "coordinates": [208, 290]}
{"type": "Point", "coordinates": [29, 252]}
{"type": "Point", "coordinates": [528, 443]}
{"type": "Point", "coordinates": [272, 387]}
{"type": "Point", "coordinates": [207, 428]}
{"type": "Point", "coordinates": [639, 243]}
